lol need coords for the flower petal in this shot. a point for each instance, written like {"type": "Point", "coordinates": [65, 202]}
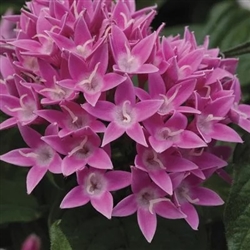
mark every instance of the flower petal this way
{"type": "Point", "coordinates": [74, 198]}
{"type": "Point", "coordinates": [71, 164]}
{"type": "Point", "coordinates": [192, 216]}
{"type": "Point", "coordinates": [147, 223]}
{"type": "Point", "coordinates": [125, 207]}
{"type": "Point", "coordinates": [34, 176]}
{"type": "Point", "coordinates": [103, 204]}
{"type": "Point", "coordinates": [16, 158]}
{"type": "Point", "coordinates": [145, 109]}
{"type": "Point", "coordinates": [162, 179]}
{"type": "Point", "coordinates": [188, 139]}
{"type": "Point", "coordinates": [100, 159]}
{"type": "Point", "coordinates": [206, 197]}
{"type": "Point", "coordinates": [224, 133]}
{"type": "Point", "coordinates": [136, 133]}
{"type": "Point", "coordinates": [118, 179]}
{"type": "Point", "coordinates": [168, 210]}
{"type": "Point", "coordinates": [112, 132]}
{"type": "Point", "coordinates": [125, 92]}
{"type": "Point", "coordinates": [102, 110]}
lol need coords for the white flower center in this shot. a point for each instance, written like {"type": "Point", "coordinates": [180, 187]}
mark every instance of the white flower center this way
{"type": "Point", "coordinates": [95, 184]}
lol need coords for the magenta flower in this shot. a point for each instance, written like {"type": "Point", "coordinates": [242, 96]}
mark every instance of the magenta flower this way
{"type": "Point", "coordinates": [131, 60]}
{"type": "Point", "coordinates": [148, 200]}
{"type": "Point", "coordinates": [187, 194]}
{"type": "Point", "coordinates": [80, 149]}
{"type": "Point", "coordinates": [39, 156]}
{"type": "Point", "coordinates": [91, 78]}
{"type": "Point", "coordinates": [171, 133]}
{"type": "Point", "coordinates": [125, 114]}
{"type": "Point", "coordinates": [95, 186]}
{"type": "Point", "coordinates": [209, 122]}
{"type": "Point", "coordinates": [157, 165]}
{"type": "Point", "coordinates": [22, 108]}
{"type": "Point", "coordinates": [72, 119]}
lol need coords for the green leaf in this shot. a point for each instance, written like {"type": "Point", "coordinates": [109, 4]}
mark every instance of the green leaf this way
{"type": "Point", "coordinates": [15, 204]}
{"type": "Point", "coordinates": [83, 228]}
{"type": "Point", "coordinates": [58, 239]}
{"type": "Point", "coordinates": [237, 212]}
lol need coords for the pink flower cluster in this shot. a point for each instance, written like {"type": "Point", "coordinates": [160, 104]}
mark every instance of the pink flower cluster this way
{"type": "Point", "coordinates": [91, 71]}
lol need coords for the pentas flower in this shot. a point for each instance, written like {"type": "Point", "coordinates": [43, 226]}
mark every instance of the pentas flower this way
{"type": "Point", "coordinates": [148, 200]}
{"type": "Point", "coordinates": [131, 60]}
{"type": "Point", "coordinates": [50, 90]}
{"type": "Point", "coordinates": [80, 149]}
{"type": "Point", "coordinates": [157, 165]}
{"type": "Point", "coordinates": [71, 119]}
{"type": "Point", "coordinates": [94, 185]}
{"type": "Point", "coordinates": [173, 98]}
{"type": "Point", "coordinates": [22, 108]}
{"type": "Point", "coordinates": [39, 156]}
{"type": "Point", "coordinates": [91, 78]}
{"type": "Point", "coordinates": [125, 114]}
{"type": "Point", "coordinates": [188, 193]}
{"type": "Point", "coordinates": [171, 133]}
{"type": "Point", "coordinates": [209, 124]}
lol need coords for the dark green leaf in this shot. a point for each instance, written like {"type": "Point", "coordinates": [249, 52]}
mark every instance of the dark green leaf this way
{"type": "Point", "coordinates": [85, 229]}
{"type": "Point", "coordinates": [237, 212]}
{"type": "Point", "coordinates": [15, 204]}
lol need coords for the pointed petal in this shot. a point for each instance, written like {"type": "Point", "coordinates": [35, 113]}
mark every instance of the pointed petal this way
{"type": "Point", "coordinates": [118, 179]}
{"type": "Point", "coordinates": [102, 110]}
{"type": "Point", "coordinates": [71, 164]}
{"type": "Point", "coordinates": [179, 164]}
{"type": "Point", "coordinates": [143, 49]}
{"type": "Point", "coordinates": [162, 179]}
{"type": "Point", "coordinates": [30, 136]}
{"type": "Point", "coordinates": [206, 197]}
{"type": "Point", "coordinates": [140, 180]}
{"type": "Point", "coordinates": [147, 223]}
{"type": "Point", "coordinates": [125, 92]}
{"type": "Point", "coordinates": [103, 204]}
{"type": "Point", "coordinates": [147, 108]}
{"type": "Point", "coordinates": [56, 165]}
{"type": "Point", "coordinates": [8, 123]}
{"type": "Point", "coordinates": [192, 59]}
{"type": "Point", "coordinates": [224, 133]}
{"type": "Point", "coordinates": [135, 132]}
{"type": "Point", "coordinates": [125, 207]}
{"type": "Point", "coordinates": [112, 80]}
{"type": "Point", "coordinates": [34, 176]}
{"type": "Point", "coordinates": [147, 69]}
{"type": "Point", "coordinates": [208, 160]}
{"type": "Point", "coordinates": [189, 139]}
{"type": "Point", "coordinates": [118, 41]}
{"type": "Point", "coordinates": [53, 116]}
{"type": "Point", "coordinates": [74, 198]}
{"type": "Point", "coordinates": [76, 66]}
{"type": "Point", "coordinates": [192, 216]}
{"type": "Point", "coordinates": [156, 85]}
{"type": "Point", "coordinates": [221, 106]}
{"type": "Point", "coordinates": [100, 159]}
{"type": "Point", "coordinates": [112, 133]}
{"type": "Point", "coordinates": [14, 157]}
{"type": "Point", "coordinates": [92, 98]}
{"type": "Point", "coordinates": [168, 210]}
{"type": "Point", "coordinates": [159, 146]}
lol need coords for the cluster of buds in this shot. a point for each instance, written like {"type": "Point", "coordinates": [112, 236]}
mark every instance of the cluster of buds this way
{"type": "Point", "coordinates": [91, 71]}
